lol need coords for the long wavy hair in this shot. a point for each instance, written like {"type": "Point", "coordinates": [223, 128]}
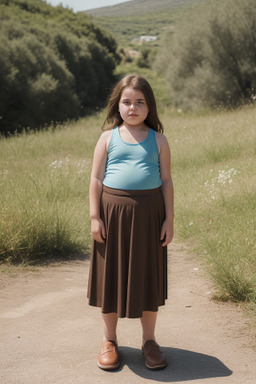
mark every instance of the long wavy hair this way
{"type": "Point", "coordinates": [137, 82]}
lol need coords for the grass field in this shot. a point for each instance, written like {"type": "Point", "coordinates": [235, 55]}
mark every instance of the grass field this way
{"type": "Point", "coordinates": [215, 184]}
{"type": "Point", "coordinates": [44, 179]}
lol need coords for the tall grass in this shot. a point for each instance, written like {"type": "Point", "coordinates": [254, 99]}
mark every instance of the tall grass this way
{"type": "Point", "coordinates": [44, 181]}
{"type": "Point", "coordinates": [215, 182]}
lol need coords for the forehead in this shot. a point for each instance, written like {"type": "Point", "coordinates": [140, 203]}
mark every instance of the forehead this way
{"type": "Point", "coordinates": [131, 93]}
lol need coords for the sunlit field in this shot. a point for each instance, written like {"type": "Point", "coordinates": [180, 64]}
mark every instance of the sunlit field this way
{"type": "Point", "coordinates": [44, 192]}
{"type": "Point", "coordinates": [215, 184]}
{"type": "Point", "coordinates": [44, 181]}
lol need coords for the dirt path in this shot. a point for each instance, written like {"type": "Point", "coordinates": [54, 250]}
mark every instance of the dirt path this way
{"type": "Point", "coordinates": [50, 335]}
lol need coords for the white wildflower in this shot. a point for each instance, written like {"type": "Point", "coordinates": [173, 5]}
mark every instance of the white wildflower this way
{"type": "Point", "coordinates": [224, 177]}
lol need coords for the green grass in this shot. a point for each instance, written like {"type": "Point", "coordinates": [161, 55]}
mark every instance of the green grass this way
{"type": "Point", "coordinates": [44, 193]}
{"type": "Point", "coordinates": [215, 184]}
{"type": "Point", "coordinates": [44, 180]}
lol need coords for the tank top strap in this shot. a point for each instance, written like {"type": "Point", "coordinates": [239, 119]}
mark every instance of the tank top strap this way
{"type": "Point", "coordinates": [114, 138]}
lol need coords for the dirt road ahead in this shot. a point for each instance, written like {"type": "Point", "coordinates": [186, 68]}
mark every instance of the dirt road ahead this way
{"type": "Point", "coordinates": [49, 335]}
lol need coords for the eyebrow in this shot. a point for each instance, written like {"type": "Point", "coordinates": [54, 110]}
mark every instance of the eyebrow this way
{"type": "Point", "coordinates": [127, 98]}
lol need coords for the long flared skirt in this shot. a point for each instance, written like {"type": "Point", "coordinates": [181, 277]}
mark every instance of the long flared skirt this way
{"type": "Point", "coordinates": [128, 273]}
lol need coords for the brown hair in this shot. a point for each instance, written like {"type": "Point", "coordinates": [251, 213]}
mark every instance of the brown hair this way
{"type": "Point", "coordinates": [134, 81]}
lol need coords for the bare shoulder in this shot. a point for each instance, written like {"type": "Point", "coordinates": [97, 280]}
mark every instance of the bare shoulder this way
{"type": "Point", "coordinates": [162, 141]}
{"type": "Point", "coordinates": [106, 135]}
{"type": "Point", "coordinates": [104, 139]}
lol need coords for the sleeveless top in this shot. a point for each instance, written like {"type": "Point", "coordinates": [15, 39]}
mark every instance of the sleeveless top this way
{"type": "Point", "coordinates": [132, 166]}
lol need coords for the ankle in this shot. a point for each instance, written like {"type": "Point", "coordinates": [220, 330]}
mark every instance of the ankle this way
{"type": "Point", "coordinates": [105, 339]}
{"type": "Point", "coordinates": [144, 340]}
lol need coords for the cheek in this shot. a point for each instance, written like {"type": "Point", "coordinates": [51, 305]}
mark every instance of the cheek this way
{"type": "Point", "coordinates": [122, 110]}
{"type": "Point", "coordinates": [146, 111]}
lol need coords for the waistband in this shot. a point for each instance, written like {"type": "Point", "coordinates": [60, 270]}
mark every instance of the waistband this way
{"type": "Point", "coordinates": [130, 192]}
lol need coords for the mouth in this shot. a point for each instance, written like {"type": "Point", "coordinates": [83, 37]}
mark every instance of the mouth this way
{"type": "Point", "coordinates": [133, 115]}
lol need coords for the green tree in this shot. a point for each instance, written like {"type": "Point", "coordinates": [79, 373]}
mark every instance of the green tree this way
{"type": "Point", "coordinates": [36, 86]}
{"type": "Point", "coordinates": [54, 65]}
{"type": "Point", "coordinates": [210, 59]}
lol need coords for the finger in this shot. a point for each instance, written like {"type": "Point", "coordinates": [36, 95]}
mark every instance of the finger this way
{"type": "Point", "coordinates": [103, 232]}
{"type": "Point", "coordinates": [162, 234]}
{"type": "Point", "coordinates": [164, 244]}
{"type": "Point", "coordinates": [168, 239]}
{"type": "Point", "coordinates": [97, 237]}
{"type": "Point", "coordinates": [100, 240]}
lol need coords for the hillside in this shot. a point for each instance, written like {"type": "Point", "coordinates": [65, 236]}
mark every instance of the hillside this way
{"type": "Point", "coordinates": [132, 19]}
{"type": "Point", "coordinates": [135, 7]}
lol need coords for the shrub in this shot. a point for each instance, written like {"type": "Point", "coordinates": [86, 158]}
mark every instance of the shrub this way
{"type": "Point", "coordinates": [210, 60]}
{"type": "Point", "coordinates": [54, 65]}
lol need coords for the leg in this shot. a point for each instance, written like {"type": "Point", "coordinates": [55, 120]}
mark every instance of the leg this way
{"type": "Point", "coordinates": [108, 358]}
{"type": "Point", "coordinates": [154, 358]}
{"type": "Point", "coordinates": [148, 322]}
{"type": "Point", "coordinates": [109, 326]}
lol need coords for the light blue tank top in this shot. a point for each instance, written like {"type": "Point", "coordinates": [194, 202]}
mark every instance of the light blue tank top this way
{"type": "Point", "coordinates": [132, 166]}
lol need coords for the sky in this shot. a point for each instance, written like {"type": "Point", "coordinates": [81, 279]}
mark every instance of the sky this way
{"type": "Point", "coordinates": [84, 5]}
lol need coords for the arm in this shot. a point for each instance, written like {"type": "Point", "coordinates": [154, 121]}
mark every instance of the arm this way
{"type": "Point", "coordinates": [96, 184]}
{"type": "Point", "coordinates": [167, 188]}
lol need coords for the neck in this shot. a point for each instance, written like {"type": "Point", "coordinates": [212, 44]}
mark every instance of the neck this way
{"type": "Point", "coordinates": [141, 127]}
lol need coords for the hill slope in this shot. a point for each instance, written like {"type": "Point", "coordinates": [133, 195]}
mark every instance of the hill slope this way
{"type": "Point", "coordinates": [127, 21]}
{"type": "Point", "coordinates": [135, 7]}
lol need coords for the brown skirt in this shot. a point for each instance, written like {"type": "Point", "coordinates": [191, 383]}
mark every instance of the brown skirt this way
{"type": "Point", "coordinates": [128, 273]}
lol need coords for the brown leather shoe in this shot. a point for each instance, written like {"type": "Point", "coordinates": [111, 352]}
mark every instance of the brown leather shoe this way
{"type": "Point", "coordinates": [108, 358]}
{"type": "Point", "coordinates": [154, 358]}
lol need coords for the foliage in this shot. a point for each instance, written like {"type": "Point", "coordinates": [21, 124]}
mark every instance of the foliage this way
{"type": "Point", "coordinates": [210, 60]}
{"type": "Point", "coordinates": [146, 57]}
{"type": "Point", "coordinates": [54, 65]}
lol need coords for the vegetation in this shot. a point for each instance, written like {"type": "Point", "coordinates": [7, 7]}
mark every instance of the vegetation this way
{"type": "Point", "coordinates": [54, 65]}
{"type": "Point", "coordinates": [214, 177]}
{"type": "Point", "coordinates": [141, 7]}
{"type": "Point", "coordinates": [44, 192]}
{"type": "Point", "coordinates": [210, 59]}
{"type": "Point", "coordinates": [144, 17]}
{"type": "Point", "coordinates": [44, 179]}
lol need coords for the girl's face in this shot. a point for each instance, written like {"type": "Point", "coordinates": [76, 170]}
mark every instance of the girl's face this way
{"type": "Point", "coordinates": [133, 107]}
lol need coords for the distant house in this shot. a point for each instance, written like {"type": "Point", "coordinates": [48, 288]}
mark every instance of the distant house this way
{"type": "Point", "coordinates": [145, 39]}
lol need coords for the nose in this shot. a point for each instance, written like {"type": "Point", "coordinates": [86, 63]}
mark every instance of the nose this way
{"type": "Point", "coordinates": [132, 107]}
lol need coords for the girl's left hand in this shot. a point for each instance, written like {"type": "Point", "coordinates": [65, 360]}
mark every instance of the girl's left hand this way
{"type": "Point", "coordinates": [167, 232]}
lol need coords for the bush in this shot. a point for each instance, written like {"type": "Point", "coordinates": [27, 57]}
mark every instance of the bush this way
{"type": "Point", "coordinates": [54, 65]}
{"type": "Point", "coordinates": [210, 60]}
{"type": "Point", "coordinates": [38, 87]}
{"type": "Point", "coordinates": [146, 58]}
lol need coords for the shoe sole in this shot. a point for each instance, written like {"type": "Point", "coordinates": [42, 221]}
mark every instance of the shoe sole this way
{"type": "Point", "coordinates": [109, 367]}
{"type": "Point", "coordinates": [156, 367]}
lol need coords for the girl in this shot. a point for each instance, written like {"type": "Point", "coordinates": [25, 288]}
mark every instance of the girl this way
{"type": "Point", "coordinates": [131, 209]}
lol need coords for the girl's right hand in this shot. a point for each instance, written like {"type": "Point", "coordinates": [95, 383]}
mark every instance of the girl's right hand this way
{"type": "Point", "coordinates": [98, 230]}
